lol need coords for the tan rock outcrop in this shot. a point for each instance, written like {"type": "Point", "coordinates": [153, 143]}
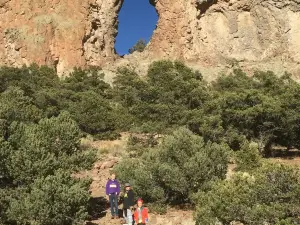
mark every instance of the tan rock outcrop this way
{"type": "Point", "coordinates": [211, 31]}
{"type": "Point", "coordinates": [59, 33]}
{"type": "Point", "coordinates": [210, 35]}
{"type": "Point", "coordinates": [216, 36]}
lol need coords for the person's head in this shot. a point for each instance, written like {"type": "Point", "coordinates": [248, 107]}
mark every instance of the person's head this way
{"type": "Point", "coordinates": [140, 202]}
{"type": "Point", "coordinates": [127, 186]}
{"type": "Point", "coordinates": [113, 176]}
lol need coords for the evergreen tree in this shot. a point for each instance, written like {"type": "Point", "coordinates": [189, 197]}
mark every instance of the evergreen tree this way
{"type": "Point", "coordinates": [138, 47]}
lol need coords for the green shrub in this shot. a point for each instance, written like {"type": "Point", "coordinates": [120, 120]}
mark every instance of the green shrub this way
{"type": "Point", "coordinates": [93, 113]}
{"type": "Point", "coordinates": [28, 79]}
{"type": "Point", "coordinates": [140, 177]}
{"type": "Point", "coordinates": [176, 169]}
{"type": "Point", "coordinates": [4, 204]}
{"type": "Point", "coordinates": [232, 108]}
{"type": "Point", "coordinates": [158, 208]}
{"type": "Point", "coordinates": [138, 144]}
{"type": "Point", "coordinates": [86, 80]}
{"type": "Point", "coordinates": [31, 93]}
{"type": "Point", "coordinates": [37, 154]}
{"type": "Point", "coordinates": [45, 147]}
{"type": "Point", "coordinates": [104, 151]}
{"type": "Point", "coordinates": [139, 46]}
{"type": "Point", "coordinates": [164, 98]}
{"type": "Point", "coordinates": [233, 138]}
{"type": "Point", "coordinates": [256, 107]}
{"type": "Point", "coordinates": [5, 151]}
{"type": "Point", "coordinates": [15, 106]}
{"type": "Point", "coordinates": [193, 163]}
{"type": "Point", "coordinates": [53, 200]}
{"type": "Point", "coordinates": [248, 158]}
{"type": "Point", "coordinates": [269, 195]}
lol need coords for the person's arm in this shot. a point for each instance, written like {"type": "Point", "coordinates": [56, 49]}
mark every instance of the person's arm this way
{"type": "Point", "coordinates": [131, 197]}
{"type": "Point", "coordinates": [118, 188]}
{"type": "Point", "coordinates": [107, 187]}
{"type": "Point", "coordinates": [147, 215]}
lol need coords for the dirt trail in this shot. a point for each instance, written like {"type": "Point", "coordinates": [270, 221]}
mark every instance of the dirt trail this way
{"type": "Point", "coordinates": [99, 210]}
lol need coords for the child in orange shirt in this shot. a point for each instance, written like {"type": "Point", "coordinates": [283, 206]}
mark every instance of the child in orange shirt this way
{"type": "Point", "coordinates": [141, 216]}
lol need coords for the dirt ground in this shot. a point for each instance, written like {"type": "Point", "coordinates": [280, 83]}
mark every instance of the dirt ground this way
{"type": "Point", "coordinates": [293, 162]}
{"type": "Point", "coordinates": [291, 157]}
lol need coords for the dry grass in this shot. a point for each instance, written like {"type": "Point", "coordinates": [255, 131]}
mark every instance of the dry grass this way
{"type": "Point", "coordinates": [115, 148]}
{"type": "Point", "coordinates": [291, 162]}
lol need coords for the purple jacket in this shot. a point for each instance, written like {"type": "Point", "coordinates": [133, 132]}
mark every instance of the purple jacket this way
{"type": "Point", "coordinates": [112, 187]}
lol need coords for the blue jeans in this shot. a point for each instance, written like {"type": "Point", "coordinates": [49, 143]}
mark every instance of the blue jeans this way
{"type": "Point", "coordinates": [113, 200]}
{"type": "Point", "coordinates": [128, 219]}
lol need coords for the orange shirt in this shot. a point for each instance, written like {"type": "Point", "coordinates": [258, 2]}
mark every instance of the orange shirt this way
{"type": "Point", "coordinates": [144, 213]}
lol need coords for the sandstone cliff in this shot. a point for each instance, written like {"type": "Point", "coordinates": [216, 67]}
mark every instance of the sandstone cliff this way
{"type": "Point", "coordinates": [230, 31]}
{"type": "Point", "coordinates": [211, 35]}
{"type": "Point", "coordinates": [59, 33]}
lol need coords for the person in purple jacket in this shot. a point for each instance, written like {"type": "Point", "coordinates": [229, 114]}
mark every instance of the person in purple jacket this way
{"type": "Point", "coordinates": [113, 191]}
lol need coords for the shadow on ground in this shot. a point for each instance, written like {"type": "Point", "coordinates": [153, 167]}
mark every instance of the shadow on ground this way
{"type": "Point", "coordinates": [97, 208]}
{"type": "Point", "coordinates": [90, 223]}
{"type": "Point", "coordinates": [286, 154]}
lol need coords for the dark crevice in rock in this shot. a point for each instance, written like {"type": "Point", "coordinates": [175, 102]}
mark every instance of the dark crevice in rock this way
{"type": "Point", "coordinates": [55, 64]}
{"type": "Point", "coordinates": [152, 2]}
{"type": "Point", "coordinates": [84, 40]}
{"type": "Point", "coordinates": [116, 25]}
{"type": "Point", "coordinates": [204, 5]}
{"type": "Point", "coordinates": [95, 24]}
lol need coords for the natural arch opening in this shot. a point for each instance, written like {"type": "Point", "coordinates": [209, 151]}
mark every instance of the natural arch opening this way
{"type": "Point", "coordinates": [137, 21]}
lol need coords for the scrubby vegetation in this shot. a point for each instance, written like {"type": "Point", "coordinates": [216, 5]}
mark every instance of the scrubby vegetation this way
{"type": "Point", "coordinates": [37, 160]}
{"type": "Point", "coordinates": [203, 126]}
{"type": "Point", "coordinates": [179, 167]}
{"type": "Point", "coordinates": [246, 114]}
{"type": "Point", "coordinates": [139, 46]}
{"type": "Point", "coordinates": [268, 195]}
{"type": "Point", "coordinates": [232, 109]}
{"type": "Point", "coordinates": [259, 193]}
{"type": "Point", "coordinates": [39, 150]}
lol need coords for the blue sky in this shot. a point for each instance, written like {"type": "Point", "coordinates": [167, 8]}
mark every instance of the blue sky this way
{"type": "Point", "coordinates": [137, 19]}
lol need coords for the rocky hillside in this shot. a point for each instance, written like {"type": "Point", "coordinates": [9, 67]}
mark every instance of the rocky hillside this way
{"type": "Point", "coordinates": [211, 35]}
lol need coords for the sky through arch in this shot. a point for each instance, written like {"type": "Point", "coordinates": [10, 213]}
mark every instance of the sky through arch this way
{"type": "Point", "coordinates": [137, 19]}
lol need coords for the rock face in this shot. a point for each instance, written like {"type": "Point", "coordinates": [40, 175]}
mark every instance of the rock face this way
{"type": "Point", "coordinates": [214, 34]}
{"type": "Point", "coordinates": [220, 31]}
{"type": "Point", "coordinates": [59, 33]}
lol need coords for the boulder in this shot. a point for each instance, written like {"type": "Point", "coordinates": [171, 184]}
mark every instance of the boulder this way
{"type": "Point", "coordinates": [108, 164]}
